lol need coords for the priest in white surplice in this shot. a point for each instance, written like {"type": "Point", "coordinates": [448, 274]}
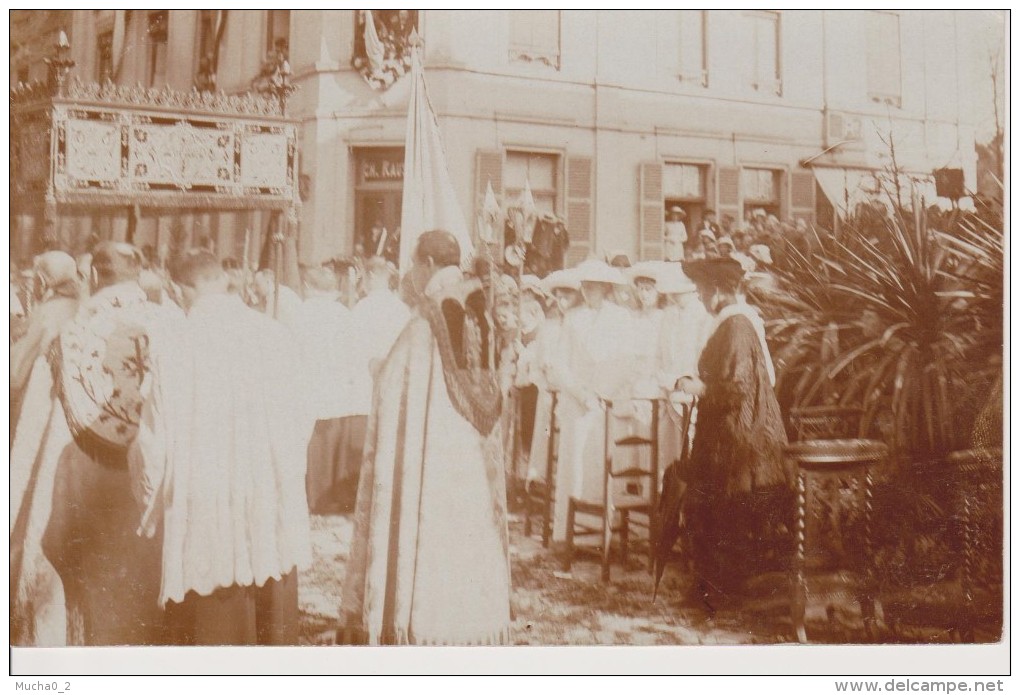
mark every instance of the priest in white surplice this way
{"type": "Point", "coordinates": [220, 461]}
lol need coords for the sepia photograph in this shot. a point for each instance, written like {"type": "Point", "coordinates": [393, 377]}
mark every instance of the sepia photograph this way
{"type": "Point", "coordinates": [497, 328]}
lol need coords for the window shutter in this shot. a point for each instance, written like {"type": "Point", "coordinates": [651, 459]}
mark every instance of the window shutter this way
{"type": "Point", "coordinates": [729, 192]}
{"type": "Point", "coordinates": [651, 215]}
{"type": "Point", "coordinates": [579, 209]}
{"type": "Point", "coordinates": [802, 196]}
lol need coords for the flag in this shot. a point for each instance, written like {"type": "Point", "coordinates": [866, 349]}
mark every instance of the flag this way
{"type": "Point", "coordinates": [528, 212]}
{"type": "Point", "coordinates": [487, 225]}
{"type": "Point", "coordinates": [429, 199]}
{"type": "Point", "coordinates": [374, 49]}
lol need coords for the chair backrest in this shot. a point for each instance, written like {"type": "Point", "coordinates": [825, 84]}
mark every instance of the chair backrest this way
{"type": "Point", "coordinates": [609, 473]}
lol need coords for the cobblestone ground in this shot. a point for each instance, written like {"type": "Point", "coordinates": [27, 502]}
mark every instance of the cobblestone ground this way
{"type": "Point", "coordinates": [552, 607]}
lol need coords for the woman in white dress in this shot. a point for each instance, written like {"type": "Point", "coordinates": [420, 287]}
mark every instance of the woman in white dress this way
{"type": "Point", "coordinates": [594, 364]}
{"type": "Point", "coordinates": [537, 362]}
{"type": "Point", "coordinates": [685, 327]}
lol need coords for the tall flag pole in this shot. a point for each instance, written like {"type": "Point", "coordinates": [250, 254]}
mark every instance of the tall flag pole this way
{"type": "Point", "coordinates": [430, 201]}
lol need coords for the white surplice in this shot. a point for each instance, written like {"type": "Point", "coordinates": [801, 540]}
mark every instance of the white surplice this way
{"type": "Point", "coordinates": [220, 456]}
{"type": "Point", "coordinates": [377, 319]}
{"type": "Point", "coordinates": [325, 333]}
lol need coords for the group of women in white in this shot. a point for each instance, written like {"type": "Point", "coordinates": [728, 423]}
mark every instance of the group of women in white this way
{"type": "Point", "coordinates": [615, 339]}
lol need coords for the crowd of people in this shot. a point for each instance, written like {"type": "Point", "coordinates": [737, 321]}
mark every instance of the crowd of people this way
{"type": "Point", "coordinates": [173, 430]}
{"type": "Point", "coordinates": [757, 243]}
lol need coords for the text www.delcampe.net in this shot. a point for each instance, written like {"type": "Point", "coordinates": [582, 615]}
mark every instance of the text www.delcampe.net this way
{"type": "Point", "coordinates": [898, 685]}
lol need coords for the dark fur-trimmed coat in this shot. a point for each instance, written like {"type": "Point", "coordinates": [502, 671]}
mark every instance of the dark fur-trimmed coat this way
{"type": "Point", "coordinates": [739, 440]}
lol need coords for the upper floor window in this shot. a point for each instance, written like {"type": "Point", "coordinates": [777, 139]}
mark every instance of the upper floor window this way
{"type": "Point", "coordinates": [382, 45]}
{"type": "Point", "coordinates": [693, 47]}
{"type": "Point", "coordinates": [538, 170]}
{"type": "Point", "coordinates": [278, 32]}
{"type": "Point", "coordinates": [156, 40]}
{"type": "Point", "coordinates": [535, 36]}
{"type": "Point", "coordinates": [764, 40]}
{"type": "Point", "coordinates": [104, 57]}
{"type": "Point", "coordinates": [883, 52]}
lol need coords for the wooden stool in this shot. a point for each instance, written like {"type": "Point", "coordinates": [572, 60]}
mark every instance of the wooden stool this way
{"type": "Point", "coordinates": [834, 485]}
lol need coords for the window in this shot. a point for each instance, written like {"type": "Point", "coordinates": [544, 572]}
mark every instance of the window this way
{"type": "Point", "coordinates": [535, 36]}
{"type": "Point", "coordinates": [539, 171]}
{"type": "Point", "coordinates": [683, 185]}
{"type": "Point", "coordinates": [884, 57]}
{"type": "Point", "coordinates": [156, 40]}
{"type": "Point", "coordinates": [766, 75]}
{"type": "Point", "coordinates": [693, 52]}
{"type": "Point", "coordinates": [206, 32]}
{"type": "Point", "coordinates": [278, 32]}
{"type": "Point", "coordinates": [760, 185]}
{"type": "Point", "coordinates": [104, 57]}
{"type": "Point", "coordinates": [208, 27]}
{"type": "Point", "coordinates": [683, 181]}
{"type": "Point", "coordinates": [761, 190]}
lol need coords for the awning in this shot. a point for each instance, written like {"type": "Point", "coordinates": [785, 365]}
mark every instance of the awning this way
{"type": "Point", "coordinates": [848, 188]}
{"type": "Point", "coordinates": [845, 188]}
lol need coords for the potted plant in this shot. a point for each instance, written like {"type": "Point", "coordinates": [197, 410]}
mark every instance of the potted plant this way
{"type": "Point", "coordinates": [900, 317]}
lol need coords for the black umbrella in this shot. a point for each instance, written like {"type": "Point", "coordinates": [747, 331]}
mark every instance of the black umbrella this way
{"type": "Point", "coordinates": [671, 502]}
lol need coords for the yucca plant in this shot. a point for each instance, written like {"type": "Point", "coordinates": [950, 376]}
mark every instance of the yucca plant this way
{"type": "Point", "coordinates": [901, 321]}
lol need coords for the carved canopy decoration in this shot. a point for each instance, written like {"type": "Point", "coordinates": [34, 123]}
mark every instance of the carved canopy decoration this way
{"type": "Point", "coordinates": [108, 145]}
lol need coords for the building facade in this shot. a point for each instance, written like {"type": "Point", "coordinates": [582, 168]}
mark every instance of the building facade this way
{"type": "Point", "coordinates": [610, 117]}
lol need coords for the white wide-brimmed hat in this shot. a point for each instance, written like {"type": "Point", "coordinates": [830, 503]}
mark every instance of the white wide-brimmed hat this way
{"type": "Point", "coordinates": [761, 253]}
{"type": "Point", "coordinates": [600, 271]}
{"type": "Point", "coordinates": [561, 280]}
{"type": "Point", "coordinates": [672, 280]}
{"type": "Point", "coordinates": [532, 283]}
{"type": "Point", "coordinates": [650, 270]}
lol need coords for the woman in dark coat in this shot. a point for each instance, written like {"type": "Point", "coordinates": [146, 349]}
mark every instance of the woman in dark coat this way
{"type": "Point", "coordinates": [739, 502]}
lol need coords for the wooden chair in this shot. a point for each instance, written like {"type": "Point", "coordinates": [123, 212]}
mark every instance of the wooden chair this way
{"type": "Point", "coordinates": [616, 512]}
{"type": "Point", "coordinates": [538, 497]}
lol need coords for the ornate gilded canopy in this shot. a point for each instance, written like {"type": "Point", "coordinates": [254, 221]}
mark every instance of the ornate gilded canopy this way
{"type": "Point", "coordinates": [109, 145]}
